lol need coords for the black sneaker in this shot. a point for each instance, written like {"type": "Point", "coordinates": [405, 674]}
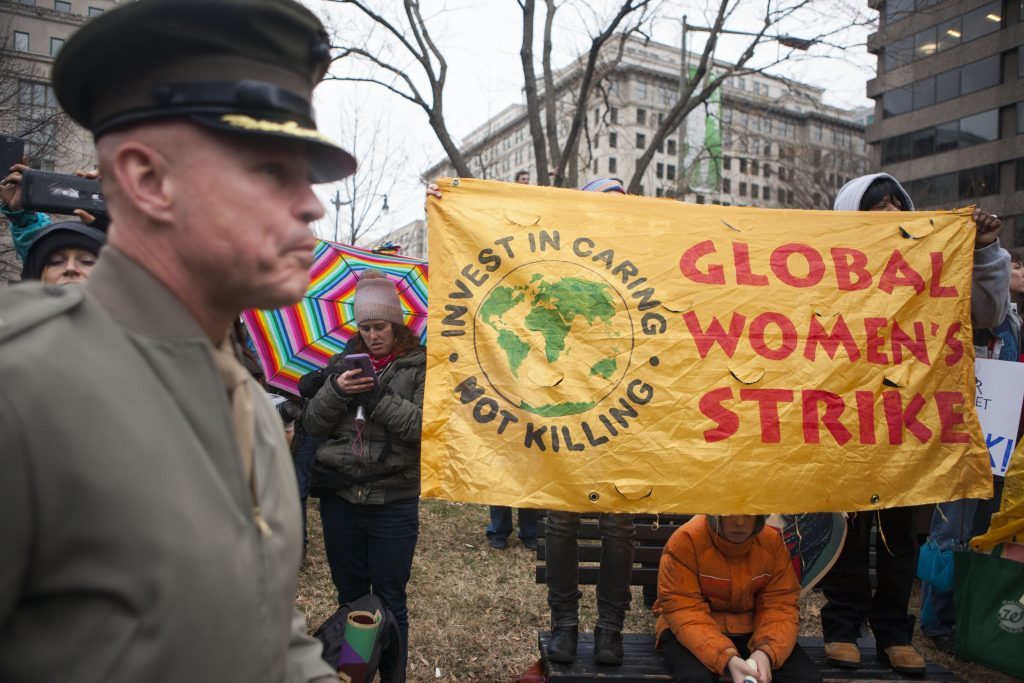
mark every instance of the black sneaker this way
{"type": "Point", "coordinates": [562, 646]}
{"type": "Point", "coordinates": [945, 641]}
{"type": "Point", "coordinates": [530, 544]}
{"type": "Point", "coordinates": [498, 543]}
{"type": "Point", "coordinates": [607, 646]}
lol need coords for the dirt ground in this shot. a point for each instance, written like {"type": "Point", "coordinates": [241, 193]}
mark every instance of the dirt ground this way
{"type": "Point", "coordinates": [475, 612]}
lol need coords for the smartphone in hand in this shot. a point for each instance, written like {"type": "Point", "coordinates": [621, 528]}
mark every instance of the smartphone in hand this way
{"type": "Point", "coordinates": [361, 361]}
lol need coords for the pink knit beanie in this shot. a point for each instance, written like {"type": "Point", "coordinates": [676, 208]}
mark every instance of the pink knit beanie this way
{"type": "Point", "coordinates": [377, 299]}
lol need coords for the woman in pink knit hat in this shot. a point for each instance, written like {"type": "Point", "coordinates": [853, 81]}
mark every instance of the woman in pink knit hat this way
{"type": "Point", "coordinates": [367, 472]}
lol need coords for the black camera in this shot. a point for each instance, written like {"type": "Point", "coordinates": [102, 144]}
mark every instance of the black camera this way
{"type": "Point", "coordinates": [290, 411]}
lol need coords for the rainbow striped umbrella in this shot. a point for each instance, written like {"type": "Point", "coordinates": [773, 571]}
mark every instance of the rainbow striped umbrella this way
{"type": "Point", "coordinates": [294, 340]}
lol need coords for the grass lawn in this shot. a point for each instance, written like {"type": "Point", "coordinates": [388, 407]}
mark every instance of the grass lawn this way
{"type": "Point", "coordinates": [474, 612]}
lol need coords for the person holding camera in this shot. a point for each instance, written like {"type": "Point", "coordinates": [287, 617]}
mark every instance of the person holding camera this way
{"type": "Point", "coordinates": [367, 472]}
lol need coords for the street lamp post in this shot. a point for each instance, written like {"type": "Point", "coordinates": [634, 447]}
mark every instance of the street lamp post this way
{"type": "Point", "coordinates": [337, 204]}
{"type": "Point", "coordinates": [682, 176]}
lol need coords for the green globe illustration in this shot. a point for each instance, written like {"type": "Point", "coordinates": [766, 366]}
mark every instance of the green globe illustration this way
{"type": "Point", "coordinates": [553, 338]}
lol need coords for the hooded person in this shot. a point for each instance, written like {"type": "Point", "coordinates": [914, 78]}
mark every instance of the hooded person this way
{"type": "Point", "coordinates": [848, 593]}
{"type": "Point", "coordinates": [728, 593]}
{"type": "Point", "coordinates": [63, 253]}
{"type": "Point", "coordinates": [367, 471]}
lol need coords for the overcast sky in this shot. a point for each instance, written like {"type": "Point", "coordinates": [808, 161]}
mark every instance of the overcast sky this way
{"type": "Point", "coordinates": [481, 39]}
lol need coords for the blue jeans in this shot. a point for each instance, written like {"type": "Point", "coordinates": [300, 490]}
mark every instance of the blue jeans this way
{"type": "Point", "coordinates": [954, 524]}
{"type": "Point", "coordinates": [305, 456]}
{"type": "Point", "coordinates": [501, 523]}
{"type": "Point", "coordinates": [562, 552]}
{"type": "Point", "coordinates": [369, 549]}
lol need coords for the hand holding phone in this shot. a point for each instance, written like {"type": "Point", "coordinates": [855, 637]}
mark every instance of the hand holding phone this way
{"type": "Point", "coordinates": [359, 375]}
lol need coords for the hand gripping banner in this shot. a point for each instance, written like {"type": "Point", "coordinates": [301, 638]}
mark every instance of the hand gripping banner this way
{"type": "Point", "coordinates": [601, 352]}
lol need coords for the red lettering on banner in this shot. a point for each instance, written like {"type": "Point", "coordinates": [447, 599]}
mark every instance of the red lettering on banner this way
{"type": "Point", "coordinates": [815, 265]}
{"type": "Point", "coordinates": [897, 418]}
{"type": "Point", "coordinates": [768, 401]}
{"type": "Point", "coordinates": [956, 347]}
{"type": "Point", "coordinates": [950, 418]}
{"type": "Point", "coordinates": [715, 333]}
{"type": "Point", "coordinates": [760, 344]}
{"type": "Point", "coordinates": [851, 273]}
{"type": "Point", "coordinates": [917, 346]}
{"type": "Point", "coordinates": [715, 274]}
{"type": "Point", "coordinates": [874, 341]}
{"type": "Point", "coordinates": [728, 423]}
{"type": "Point", "coordinates": [818, 336]}
{"type": "Point", "coordinates": [937, 290]}
{"type": "Point", "coordinates": [866, 416]}
{"type": "Point", "coordinates": [899, 273]}
{"type": "Point", "coordinates": [744, 274]}
{"type": "Point", "coordinates": [834, 407]}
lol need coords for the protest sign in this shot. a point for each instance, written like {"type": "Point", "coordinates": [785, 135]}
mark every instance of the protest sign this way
{"type": "Point", "coordinates": [600, 352]}
{"type": "Point", "coordinates": [998, 399]}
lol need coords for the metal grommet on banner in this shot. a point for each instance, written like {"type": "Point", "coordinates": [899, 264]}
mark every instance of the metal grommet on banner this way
{"type": "Point", "coordinates": [874, 499]}
{"type": "Point", "coordinates": [593, 496]}
{"type": "Point", "coordinates": [455, 182]}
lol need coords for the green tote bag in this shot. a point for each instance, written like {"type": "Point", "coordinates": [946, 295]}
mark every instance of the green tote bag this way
{"type": "Point", "coordinates": [989, 597]}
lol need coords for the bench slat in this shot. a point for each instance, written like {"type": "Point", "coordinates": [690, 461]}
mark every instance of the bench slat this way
{"type": "Point", "coordinates": [643, 663]}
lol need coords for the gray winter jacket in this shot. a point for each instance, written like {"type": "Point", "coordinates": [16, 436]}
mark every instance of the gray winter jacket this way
{"type": "Point", "coordinates": [990, 290]}
{"type": "Point", "coordinates": [386, 468]}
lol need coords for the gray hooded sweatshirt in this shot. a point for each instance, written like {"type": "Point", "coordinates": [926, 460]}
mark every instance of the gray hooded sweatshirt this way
{"type": "Point", "coordinates": [990, 289]}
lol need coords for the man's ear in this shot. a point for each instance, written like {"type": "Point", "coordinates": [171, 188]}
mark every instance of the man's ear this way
{"type": "Point", "coordinates": [143, 178]}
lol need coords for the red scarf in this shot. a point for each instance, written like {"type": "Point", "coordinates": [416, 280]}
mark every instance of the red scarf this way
{"type": "Point", "coordinates": [380, 363]}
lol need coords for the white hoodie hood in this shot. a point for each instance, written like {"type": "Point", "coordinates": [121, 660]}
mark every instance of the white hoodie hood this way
{"type": "Point", "coordinates": [852, 192]}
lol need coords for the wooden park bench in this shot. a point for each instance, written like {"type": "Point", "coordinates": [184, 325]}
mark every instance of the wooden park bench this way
{"type": "Point", "coordinates": [642, 662]}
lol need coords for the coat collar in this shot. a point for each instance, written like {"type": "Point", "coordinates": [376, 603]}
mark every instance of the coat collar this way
{"type": "Point", "coordinates": [138, 300]}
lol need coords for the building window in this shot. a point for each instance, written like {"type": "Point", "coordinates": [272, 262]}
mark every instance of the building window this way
{"type": "Point", "coordinates": [62, 6]}
{"type": "Point", "coordinates": [767, 193]}
{"type": "Point", "coordinates": [755, 166]}
{"type": "Point", "coordinates": [672, 147]}
{"type": "Point", "coordinates": [754, 190]}
{"type": "Point", "coordinates": [923, 93]}
{"type": "Point", "coordinates": [947, 85]}
{"type": "Point", "coordinates": [1020, 174]}
{"type": "Point", "coordinates": [727, 163]}
{"type": "Point", "coordinates": [743, 189]}
{"type": "Point", "coordinates": [743, 165]}
{"type": "Point", "coordinates": [613, 140]}
{"type": "Point", "coordinates": [95, 11]}
{"type": "Point", "coordinates": [612, 165]}
{"type": "Point", "coordinates": [895, 10]}
{"type": "Point", "coordinates": [670, 172]}
{"type": "Point", "coordinates": [641, 117]}
{"type": "Point", "coordinates": [641, 141]}
{"type": "Point", "coordinates": [613, 114]}
{"type": "Point", "coordinates": [30, 3]}
{"type": "Point", "coordinates": [55, 45]}
{"type": "Point", "coordinates": [979, 75]}
{"type": "Point", "coordinates": [726, 185]}
{"type": "Point", "coordinates": [897, 101]}
{"type": "Point", "coordinates": [658, 192]}
{"type": "Point", "coordinates": [982, 21]}
{"type": "Point", "coordinates": [1020, 118]}
{"type": "Point", "coordinates": [661, 118]}
{"type": "Point", "coordinates": [640, 91]}
{"type": "Point", "coordinates": [767, 171]}
{"type": "Point", "coordinates": [21, 41]}
{"type": "Point", "coordinates": [659, 170]}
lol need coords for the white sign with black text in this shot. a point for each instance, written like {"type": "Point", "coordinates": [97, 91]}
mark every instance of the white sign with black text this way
{"type": "Point", "coordinates": [998, 398]}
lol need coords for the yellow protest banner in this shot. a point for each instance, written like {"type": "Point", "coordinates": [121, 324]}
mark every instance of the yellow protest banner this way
{"type": "Point", "coordinates": [598, 352]}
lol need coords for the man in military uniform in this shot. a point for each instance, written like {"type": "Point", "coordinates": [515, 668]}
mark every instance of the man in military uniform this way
{"type": "Point", "coordinates": [149, 522]}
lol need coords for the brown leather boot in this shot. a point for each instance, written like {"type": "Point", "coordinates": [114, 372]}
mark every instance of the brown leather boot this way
{"type": "Point", "coordinates": [843, 654]}
{"type": "Point", "coordinates": [904, 659]}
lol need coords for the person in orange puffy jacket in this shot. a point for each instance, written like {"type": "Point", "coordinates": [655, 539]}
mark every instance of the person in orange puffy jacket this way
{"type": "Point", "coordinates": [727, 593]}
